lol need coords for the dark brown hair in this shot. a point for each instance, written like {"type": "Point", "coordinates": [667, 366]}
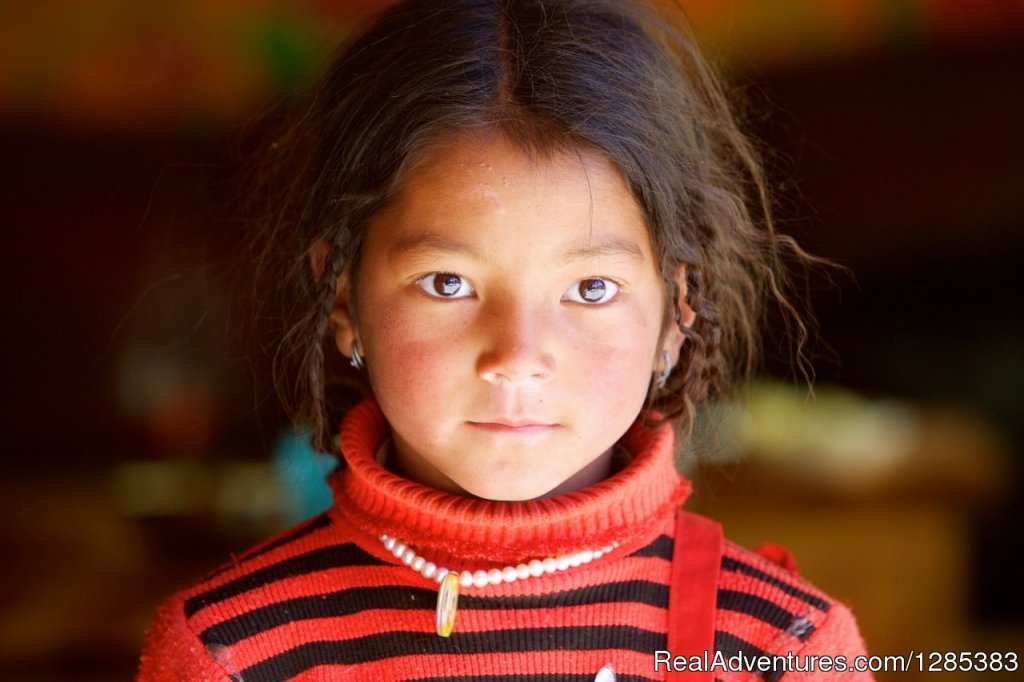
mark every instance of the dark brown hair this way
{"type": "Point", "coordinates": [623, 79]}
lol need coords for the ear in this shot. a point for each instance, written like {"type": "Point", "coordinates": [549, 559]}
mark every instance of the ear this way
{"type": "Point", "coordinates": [341, 321]}
{"type": "Point", "coordinates": [674, 337]}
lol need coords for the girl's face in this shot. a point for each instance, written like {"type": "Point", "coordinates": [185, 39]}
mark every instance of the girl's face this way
{"type": "Point", "coordinates": [511, 313]}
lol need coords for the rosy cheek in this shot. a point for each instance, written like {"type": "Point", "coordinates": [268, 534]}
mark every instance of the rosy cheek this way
{"type": "Point", "coordinates": [610, 365]}
{"type": "Point", "coordinates": [414, 359]}
{"type": "Point", "coordinates": [420, 369]}
{"type": "Point", "coordinates": [625, 374]}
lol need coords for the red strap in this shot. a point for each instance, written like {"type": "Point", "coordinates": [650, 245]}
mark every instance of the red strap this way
{"type": "Point", "coordinates": [696, 559]}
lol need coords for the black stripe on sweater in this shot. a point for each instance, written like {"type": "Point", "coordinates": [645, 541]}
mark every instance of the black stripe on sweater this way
{"type": "Point", "coordinates": [660, 548]}
{"type": "Point", "coordinates": [386, 645]}
{"type": "Point", "coordinates": [730, 564]}
{"type": "Point", "coordinates": [763, 610]}
{"type": "Point", "coordinates": [335, 556]}
{"type": "Point", "coordinates": [297, 533]}
{"type": "Point", "coordinates": [354, 600]}
{"type": "Point", "coordinates": [635, 591]}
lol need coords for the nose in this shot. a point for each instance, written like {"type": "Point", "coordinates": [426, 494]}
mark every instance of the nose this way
{"type": "Point", "coordinates": [517, 350]}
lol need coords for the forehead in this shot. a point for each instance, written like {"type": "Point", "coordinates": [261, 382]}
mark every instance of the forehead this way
{"type": "Point", "coordinates": [483, 189]}
{"type": "Point", "coordinates": [485, 159]}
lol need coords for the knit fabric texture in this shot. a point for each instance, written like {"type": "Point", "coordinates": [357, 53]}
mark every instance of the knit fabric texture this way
{"type": "Point", "coordinates": [326, 600]}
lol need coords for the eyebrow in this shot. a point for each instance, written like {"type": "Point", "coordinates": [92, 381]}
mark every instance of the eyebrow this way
{"type": "Point", "coordinates": [613, 246]}
{"type": "Point", "coordinates": [431, 241]}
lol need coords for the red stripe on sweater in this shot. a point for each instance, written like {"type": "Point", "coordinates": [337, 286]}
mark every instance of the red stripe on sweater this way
{"type": "Point", "coordinates": [528, 663]}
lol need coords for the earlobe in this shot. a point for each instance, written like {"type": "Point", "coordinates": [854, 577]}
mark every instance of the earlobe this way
{"type": "Point", "coordinates": [683, 315]}
{"type": "Point", "coordinates": [341, 322]}
{"type": "Point", "coordinates": [687, 316]}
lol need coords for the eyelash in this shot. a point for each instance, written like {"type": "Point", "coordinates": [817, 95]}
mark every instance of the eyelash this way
{"type": "Point", "coordinates": [429, 284]}
{"type": "Point", "coordinates": [609, 285]}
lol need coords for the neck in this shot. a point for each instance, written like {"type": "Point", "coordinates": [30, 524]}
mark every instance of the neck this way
{"type": "Point", "coordinates": [403, 462]}
{"type": "Point", "coordinates": [465, 532]}
{"type": "Point", "coordinates": [598, 470]}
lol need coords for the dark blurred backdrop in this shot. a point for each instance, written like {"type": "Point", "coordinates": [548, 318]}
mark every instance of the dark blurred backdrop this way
{"type": "Point", "coordinates": [138, 451]}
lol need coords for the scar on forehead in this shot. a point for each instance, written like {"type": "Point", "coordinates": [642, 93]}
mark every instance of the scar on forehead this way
{"type": "Point", "coordinates": [484, 191]}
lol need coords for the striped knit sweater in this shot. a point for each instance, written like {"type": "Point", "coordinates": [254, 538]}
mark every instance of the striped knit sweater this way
{"type": "Point", "coordinates": [327, 601]}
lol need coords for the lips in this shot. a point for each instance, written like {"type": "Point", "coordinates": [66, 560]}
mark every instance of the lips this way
{"type": "Point", "coordinates": [513, 426]}
{"type": "Point", "coordinates": [513, 423]}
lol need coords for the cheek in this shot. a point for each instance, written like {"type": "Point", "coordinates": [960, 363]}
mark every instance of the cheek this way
{"type": "Point", "coordinates": [414, 370]}
{"type": "Point", "coordinates": [411, 361]}
{"type": "Point", "coordinates": [616, 360]}
{"type": "Point", "coordinates": [622, 375]}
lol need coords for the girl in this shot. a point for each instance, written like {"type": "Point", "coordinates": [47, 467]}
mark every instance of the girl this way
{"type": "Point", "coordinates": [524, 224]}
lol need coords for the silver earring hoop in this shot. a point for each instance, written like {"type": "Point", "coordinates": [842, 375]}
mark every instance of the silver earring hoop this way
{"type": "Point", "coordinates": [666, 370]}
{"type": "Point", "coordinates": [357, 359]}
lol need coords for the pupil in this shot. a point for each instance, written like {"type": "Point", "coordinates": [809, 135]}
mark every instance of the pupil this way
{"type": "Point", "coordinates": [592, 289]}
{"type": "Point", "coordinates": [446, 285]}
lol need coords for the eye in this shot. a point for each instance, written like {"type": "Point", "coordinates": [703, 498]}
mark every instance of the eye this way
{"type": "Point", "coordinates": [445, 285]}
{"type": "Point", "coordinates": [592, 290]}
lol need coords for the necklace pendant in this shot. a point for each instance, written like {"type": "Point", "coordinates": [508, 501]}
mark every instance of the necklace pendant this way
{"type": "Point", "coordinates": [447, 604]}
{"type": "Point", "coordinates": [448, 594]}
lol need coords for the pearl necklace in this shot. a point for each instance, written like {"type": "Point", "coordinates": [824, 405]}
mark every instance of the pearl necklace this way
{"type": "Point", "coordinates": [450, 581]}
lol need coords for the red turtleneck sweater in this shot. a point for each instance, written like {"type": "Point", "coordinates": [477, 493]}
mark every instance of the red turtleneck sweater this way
{"type": "Point", "coordinates": [327, 601]}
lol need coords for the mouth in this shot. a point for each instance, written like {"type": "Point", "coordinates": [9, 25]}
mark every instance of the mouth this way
{"type": "Point", "coordinates": [512, 426]}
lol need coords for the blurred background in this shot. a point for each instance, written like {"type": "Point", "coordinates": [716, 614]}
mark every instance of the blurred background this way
{"type": "Point", "coordinates": [138, 451]}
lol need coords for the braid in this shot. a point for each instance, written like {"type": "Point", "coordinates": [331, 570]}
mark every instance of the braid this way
{"type": "Point", "coordinates": [326, 288]}
{"type": "Point", "coordinates": [700, 371]}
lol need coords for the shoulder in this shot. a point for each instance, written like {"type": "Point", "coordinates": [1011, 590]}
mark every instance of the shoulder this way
{"type": "Point", "coordinates": [196, 629]}
{"type": "Point", "coordinates": [765, 607]}
{"type": "Point", "coordinates": [173, 653]}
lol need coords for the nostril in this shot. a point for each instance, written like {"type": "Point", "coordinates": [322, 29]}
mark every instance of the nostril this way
{"type": "Point", "coordinates": [518, 345]}
{"type": "Point", "coordinates": [514, 368]}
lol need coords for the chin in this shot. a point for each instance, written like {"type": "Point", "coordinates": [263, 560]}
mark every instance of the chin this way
{"type": "Point", "coordinates": [494, 490]}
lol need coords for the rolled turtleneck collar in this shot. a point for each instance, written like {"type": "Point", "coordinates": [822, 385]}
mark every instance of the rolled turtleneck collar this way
{"type": "Point", "coordinates": [624, 508]}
